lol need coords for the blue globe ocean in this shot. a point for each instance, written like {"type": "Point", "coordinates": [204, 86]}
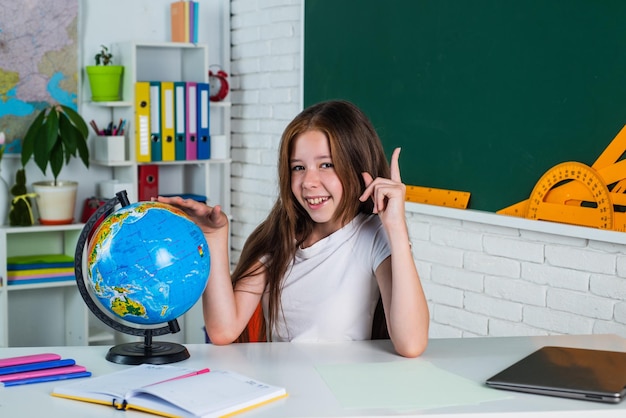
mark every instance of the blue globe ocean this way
{"type": "Point", "coordinates": [148, 263]}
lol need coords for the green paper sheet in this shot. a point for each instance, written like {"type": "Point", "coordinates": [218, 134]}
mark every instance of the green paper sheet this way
{"type": "Point", "coordinates": [402, 386]}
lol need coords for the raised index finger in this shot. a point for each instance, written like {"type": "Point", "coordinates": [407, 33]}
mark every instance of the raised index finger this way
{"type": "Point", "coordinates": [395, 166]}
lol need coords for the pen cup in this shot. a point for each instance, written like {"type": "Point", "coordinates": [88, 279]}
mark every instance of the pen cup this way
{"type": "Point", "coordinates": [110, 148]}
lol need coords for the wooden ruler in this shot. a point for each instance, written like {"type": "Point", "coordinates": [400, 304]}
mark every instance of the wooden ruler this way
{"type": "Point", "coordinates": [439, 197]}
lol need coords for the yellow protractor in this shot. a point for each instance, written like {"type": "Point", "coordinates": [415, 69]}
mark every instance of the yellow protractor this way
{"type": "Point", "coordinates": [594, 210]}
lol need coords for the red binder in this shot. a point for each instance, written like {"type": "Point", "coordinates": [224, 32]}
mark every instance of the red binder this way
{"type": "Point", "coordinates": [148, 182]}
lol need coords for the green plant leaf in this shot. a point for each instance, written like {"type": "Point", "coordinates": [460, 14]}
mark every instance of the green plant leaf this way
{"type": "Point", "coordinates": [41, 158]}
{"type": "Point", "coordinates": [69, 135]}
{"type": "Point", "coordinates": [77, 121]}
{"type": "Point", "coordinates": [56, 160]}
{"type": "Point", "coordinates": [83, 152]}
{"type": "Point", "coordinates": [50, 132]}
{"type": "Point", "coordinates": [57, 134]}
{"type": "Point", "coordinates": [28, 143]}
{"type": "Point", "coordinates": [52, 129]}
{"type": "Point", "coordinates": [74, 133]}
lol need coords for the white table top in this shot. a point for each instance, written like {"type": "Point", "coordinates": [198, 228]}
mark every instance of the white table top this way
{"type": "Point", "coordinates": [306, 371]}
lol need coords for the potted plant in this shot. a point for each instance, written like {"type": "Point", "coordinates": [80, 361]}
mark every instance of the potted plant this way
{"type": "Point", "coordinates": [105, 78]}
{"type": "Point", "coordinates": [57, 135]}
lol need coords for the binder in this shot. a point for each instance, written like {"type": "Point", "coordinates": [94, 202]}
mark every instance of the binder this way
{"type": "Point", "coordinates": [204, 140]}
{"type": "Point", "coordinates": [177, 18]}
{"type": "Point", "coordinates": [196, 19]}
{"type": "Point", "coordinates": [192, 13]}
{"type": "Point", "coordinates": [187, 21]}
{"type": "Point", "coordinates": [156, 149]}
{"type": "Point", "coordinates": [179, 120]}
{"type": "Point", "coordinates": [142, 122]}
{"type": "Point", "coordinates": [167, 120]}
{"type": "Point", "coordinates": [191, 148]}
{"type": "Point", "coordinates": [148, 181]}
{"type": "Point", "coordinates": [193, 36]}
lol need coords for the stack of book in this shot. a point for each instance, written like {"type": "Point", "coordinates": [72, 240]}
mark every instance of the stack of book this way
{"type": "Point", "coordinates": [184, 21]}
{"type": "Point", "coordinates": [44, 268]}
{"type": "Point", "coordinates": [37, 368]}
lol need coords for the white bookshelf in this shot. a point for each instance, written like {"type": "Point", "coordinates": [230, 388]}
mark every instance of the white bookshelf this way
{"type": "Point", "coordinates": [41, 314]}
{"type": "Point", "coordinates": [52, 314]}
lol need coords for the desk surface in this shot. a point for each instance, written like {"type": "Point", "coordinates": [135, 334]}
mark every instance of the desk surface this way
{"type": "Point", "coordinates": [304, 370]}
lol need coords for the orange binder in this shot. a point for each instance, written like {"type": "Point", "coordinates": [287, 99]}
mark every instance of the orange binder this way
{"type": "Point", "coordinates": [177, 16]}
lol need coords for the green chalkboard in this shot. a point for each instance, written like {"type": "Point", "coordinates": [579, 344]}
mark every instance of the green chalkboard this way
{"type": "Point", "coordinates": [483, 96]}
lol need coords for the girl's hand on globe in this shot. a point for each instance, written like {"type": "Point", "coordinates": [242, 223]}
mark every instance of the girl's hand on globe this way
{"type": "Point", "coordinates": [208, 218]}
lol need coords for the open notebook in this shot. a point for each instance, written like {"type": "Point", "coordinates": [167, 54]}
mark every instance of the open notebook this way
{"type": "Point", "coordinates": [593, 375]}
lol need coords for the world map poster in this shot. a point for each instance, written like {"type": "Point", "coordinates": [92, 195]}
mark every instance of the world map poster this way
{"type": "Point", "coordinates": [38, 61]}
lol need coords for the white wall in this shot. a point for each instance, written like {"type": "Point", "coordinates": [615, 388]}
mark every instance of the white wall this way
{"type": "Point", "coordinates": [484, 274]}
{"type": "Point", "coordinates": [487, 274]}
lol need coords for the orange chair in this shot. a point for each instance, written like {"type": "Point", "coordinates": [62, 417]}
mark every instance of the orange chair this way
{"type": "Point", "coordinates": [255, 330]}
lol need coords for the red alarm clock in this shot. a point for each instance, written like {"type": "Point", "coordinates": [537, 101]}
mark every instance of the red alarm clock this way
{"type": "Point", "coordinates": [218, 85]}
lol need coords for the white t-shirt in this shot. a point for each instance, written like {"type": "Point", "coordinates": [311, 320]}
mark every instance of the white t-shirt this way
{"type": "Point", "coordinates": [330, 292]}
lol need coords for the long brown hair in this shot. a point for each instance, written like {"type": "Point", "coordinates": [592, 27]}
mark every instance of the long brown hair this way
{"type": "Point", "coordinates": [355, 148]}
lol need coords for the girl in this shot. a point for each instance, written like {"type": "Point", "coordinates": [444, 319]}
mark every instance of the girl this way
{"type": "Point", "coordinates": [334, 243]}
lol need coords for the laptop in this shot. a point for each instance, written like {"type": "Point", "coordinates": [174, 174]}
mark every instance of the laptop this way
{"type": "Point", "coordinates": [592, 375]}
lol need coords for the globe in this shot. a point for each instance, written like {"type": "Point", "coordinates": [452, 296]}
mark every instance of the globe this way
{"type": "Point", "coordinates": [139, 268]}
{"type": "Point", "coordinates": [148, 263]}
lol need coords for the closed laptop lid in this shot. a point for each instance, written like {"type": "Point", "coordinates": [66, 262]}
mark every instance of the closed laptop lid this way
{"type": "Point", "coordinates": [594, 375]}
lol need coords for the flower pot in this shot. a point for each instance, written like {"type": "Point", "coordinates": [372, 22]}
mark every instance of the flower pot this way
{"type": "Point", "coordinates": [105, 82]}
{"type": "Point", "coordinates": [55, 203]}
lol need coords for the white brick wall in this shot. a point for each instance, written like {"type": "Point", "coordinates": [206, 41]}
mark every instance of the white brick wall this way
{"type": "Point", "coordinates": [482, 275]}
{"type": "Point", "coordinates": [483, 279]}
{"type": "Point", "coordinates": [265, 67]}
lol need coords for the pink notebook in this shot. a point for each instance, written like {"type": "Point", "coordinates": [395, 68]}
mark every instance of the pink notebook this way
{"type": "Point", "coordinates": [33, 358]}
{"type": "Point", "coordinates": [41, 373]}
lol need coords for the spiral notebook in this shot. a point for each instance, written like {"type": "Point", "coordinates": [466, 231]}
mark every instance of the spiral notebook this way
{"type": "Point", "coordinates": [592, 375]}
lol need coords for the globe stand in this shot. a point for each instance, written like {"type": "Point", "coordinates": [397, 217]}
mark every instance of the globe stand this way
{"type": "Point", "coordinates": [147, 351]}
{"type": "Point", "coordinates": [127, 353]}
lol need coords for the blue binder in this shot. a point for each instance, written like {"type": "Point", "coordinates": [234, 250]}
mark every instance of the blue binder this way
{"type": "Point", "coordinates": [204, 139]}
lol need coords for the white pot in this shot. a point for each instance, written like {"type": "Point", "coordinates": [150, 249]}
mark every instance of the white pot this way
{"type": "Point", "coordinates": [56, 203]}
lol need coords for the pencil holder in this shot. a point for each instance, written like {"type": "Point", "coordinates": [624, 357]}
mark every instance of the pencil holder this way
{"type": "Point", "coordinates": [110, 148]}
